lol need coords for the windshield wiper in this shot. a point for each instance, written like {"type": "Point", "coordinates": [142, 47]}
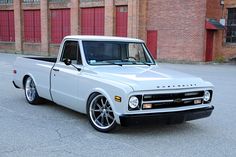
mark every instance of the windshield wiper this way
{"type": "Point", "coordinates": [128, 61]}
{"type": "Point", "coordinates": [145, 63]}
{"type": "Point", "coordinates": [114, 63]}
{"type": "Point", "coordinates": [136, 62]}
{"type": "Point", "coordinates": [117, 64]}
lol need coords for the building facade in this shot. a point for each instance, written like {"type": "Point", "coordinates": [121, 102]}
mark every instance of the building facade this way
{"type": "Point", "coordinates": [224, 41]}
{"type": "Point", "coordinates": [172, 29]}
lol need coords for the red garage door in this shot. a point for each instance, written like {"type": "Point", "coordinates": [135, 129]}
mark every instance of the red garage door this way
{"type": "Point", "coordinates": [152, 42]}
{"type": "Point", "coordinates": [32, 26]}
{"type": "Point", "coordinates": [121, 21]}
{"type": "Point", "coordinates": [99, 21]}
{"type": "Point", "coordinates": [60, 24]}
{"type": "Point", "coordinates": [92, 21]}
{"type": "Point", "coordinates": [209, 45]}
{"type": "Point", "coordinates": [7, 29]}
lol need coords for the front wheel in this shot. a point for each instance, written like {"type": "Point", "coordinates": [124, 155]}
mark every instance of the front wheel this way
{"type": "Point", "coordinates": [100, 113]}
{"type": "Point", "coordinates": [31, 93]}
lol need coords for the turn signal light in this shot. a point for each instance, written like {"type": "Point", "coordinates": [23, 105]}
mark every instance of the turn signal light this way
{"type": "Point", "coordinates": [147, 106]}
{"type": "Point", "coordinates": [118, 98]}
{"type": "Point", "coordinates": [197, 101]}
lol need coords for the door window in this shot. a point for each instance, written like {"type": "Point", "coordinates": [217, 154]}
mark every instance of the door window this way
{"type": "Point", "coordinates": [71, 51]}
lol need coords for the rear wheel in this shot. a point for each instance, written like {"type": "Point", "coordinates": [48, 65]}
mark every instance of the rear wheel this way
{"type": "Point", "coordinates": [31, 93]}
{"type": "Point", "coordinates": [100, 113]}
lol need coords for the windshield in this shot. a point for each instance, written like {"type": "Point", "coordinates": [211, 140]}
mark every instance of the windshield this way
{"type": "Point", "coordinates": [120, 53]}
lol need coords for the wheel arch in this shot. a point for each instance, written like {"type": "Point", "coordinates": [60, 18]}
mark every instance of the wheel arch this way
{"type": "Point", "coordinates": [25, 78]}
{"type": "Point", "coordinates": [104, 93]}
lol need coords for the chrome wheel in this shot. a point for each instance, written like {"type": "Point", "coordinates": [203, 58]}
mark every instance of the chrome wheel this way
{"type": "Point", "coordinates": [30, 90]}
{"type": "Point", "coordinates": [101, 114]}
{"type": "Point", "coordinates": [31, 93]}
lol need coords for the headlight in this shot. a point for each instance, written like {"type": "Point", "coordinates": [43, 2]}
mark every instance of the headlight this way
{"type": "Point", "coordinates": [133, 102]}
{"type": "Point", "coordinates": [207, 96]}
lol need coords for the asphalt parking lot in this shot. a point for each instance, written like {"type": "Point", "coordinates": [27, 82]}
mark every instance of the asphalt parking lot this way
{"type": "Point", "coordinates": [50, 130]}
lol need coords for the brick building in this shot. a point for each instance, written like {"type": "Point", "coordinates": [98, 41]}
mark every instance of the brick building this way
{"type": "Point", "coordinates": [173, 29]}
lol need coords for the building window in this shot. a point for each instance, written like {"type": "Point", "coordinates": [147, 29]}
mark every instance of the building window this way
{"type": "Point", "coordinates": [231, 26]}
{"type": "Point", "coordinates": [32, 26]}
{"type": "Point", "coordinates": [60, 24]}
{"type": "Point", "coordinates": [7, 29]}
{"type": "Point", "coordinates": [31, 1]}
{"type": "Point", "coordinates": [57, 1]}
{"type": "Point", "coordinates": [6, 1]}
{"type": "Point", "coordinates": [92, 21]}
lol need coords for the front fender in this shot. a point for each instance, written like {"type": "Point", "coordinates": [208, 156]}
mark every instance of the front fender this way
{"type": "Point", "coordinates": [110, 100]}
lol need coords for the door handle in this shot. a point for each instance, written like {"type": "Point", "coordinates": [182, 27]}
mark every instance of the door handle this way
{"type": "Point", "coordinates": [55, 69]}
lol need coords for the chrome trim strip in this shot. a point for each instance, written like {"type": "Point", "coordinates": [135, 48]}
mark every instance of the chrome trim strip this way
{"type": "Point", "coordinates": [157, 101]}
{"type": "Point", "coordinates": [160, 101]}
{"type": "Point", "coordinates": [196, 98]}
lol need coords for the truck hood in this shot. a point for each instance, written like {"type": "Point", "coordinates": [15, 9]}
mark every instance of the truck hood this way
{"type": "Point", "coordinates": [149, 77]}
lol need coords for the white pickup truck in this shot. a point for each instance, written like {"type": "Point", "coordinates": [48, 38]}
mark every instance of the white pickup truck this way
{"type": "Point", "coordinates": [114, 81]}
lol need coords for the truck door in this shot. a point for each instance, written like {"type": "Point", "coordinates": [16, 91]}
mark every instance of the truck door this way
{"type": "Point", "coordinates": [64, 84]}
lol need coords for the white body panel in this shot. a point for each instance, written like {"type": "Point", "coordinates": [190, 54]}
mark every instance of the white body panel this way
{"type": "Point", "coordinates": [72, 88]}
{"type": "Point", "coordinates": [38, 70]}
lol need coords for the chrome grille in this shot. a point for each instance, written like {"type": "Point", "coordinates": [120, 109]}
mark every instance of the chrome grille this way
{"type": "Point", "coordinates": [170, 100]}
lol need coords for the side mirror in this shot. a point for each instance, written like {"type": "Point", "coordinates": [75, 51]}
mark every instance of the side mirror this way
{"type": "Point", "coordinates": [67, 61]}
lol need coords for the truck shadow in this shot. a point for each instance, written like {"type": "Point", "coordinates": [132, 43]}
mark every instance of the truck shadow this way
{"type": "Point", "coordinates": [158, 129]}
{"type": "Point", "coordinates": [61, 109]}
{"type": "Point", "coordinates": [139, 128]}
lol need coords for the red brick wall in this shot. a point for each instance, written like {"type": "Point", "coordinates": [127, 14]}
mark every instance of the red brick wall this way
{"type": "Point", "coordinates": [221, 48]}
{"type": "Point", "coordinates": [9, 46]}
{"type": "Point", "coordinates": [180, 26]}
{"type": "Point", "coordinates": [214, 9]}
{"type": "Point", "coordinates": [32, 48]}
{"type": "Point", "coordinates": [54, 49]}
{"type": "Point", "coordinates": [228, 50]}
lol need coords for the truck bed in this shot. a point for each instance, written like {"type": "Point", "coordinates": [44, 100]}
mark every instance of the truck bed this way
{"type": "Point", "coordinates": [37, 67]}
{"type": "Point", "coordinates": [46, 59]}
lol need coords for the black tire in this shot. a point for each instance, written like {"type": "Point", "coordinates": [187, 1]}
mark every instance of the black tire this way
{"type": "Point", "coordinates": [31, 93]}
{"type": "Point", "coordinates": [100, 113]}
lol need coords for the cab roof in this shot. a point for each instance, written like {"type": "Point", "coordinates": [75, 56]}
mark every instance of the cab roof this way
{"type": "Point", "coordinates": [101, 38]}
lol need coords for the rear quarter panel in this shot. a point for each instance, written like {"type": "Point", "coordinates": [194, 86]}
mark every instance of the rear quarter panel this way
{"type": "Point", "coordinates": [38, 70]}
